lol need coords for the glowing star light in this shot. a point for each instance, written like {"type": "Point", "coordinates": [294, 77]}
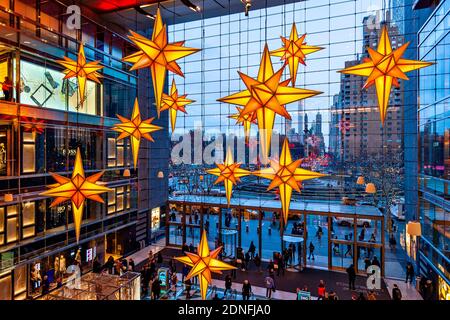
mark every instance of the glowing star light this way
{"type": "Point", "coordinates": [204, 263]}
{"type": "Point", "coordinates": [294, 51]}
{"type": "Point", "coordinates": [135, 128]}
{"type": "Point", "coordinates": [158, 55]}
{"type": "Point", "coordinates": [228, 173]}
{"type": "Point", "coordinates": [245, 120]}
{"type": "Point", "coordinates": [266, 96]}
{"type": "Point", "coordinates": [384, 67]}
{"type": "Point", "coordinates": [77, 189]}
{"type": "Point", "coordinates": [82, 70]}
{"type": "Point", "coordinates": [287, 176]}
{"type": "Point", "coordinates": [174, 103]}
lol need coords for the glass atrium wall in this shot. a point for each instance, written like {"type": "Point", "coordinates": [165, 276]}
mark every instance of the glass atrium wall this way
{"type": "Point", "coordinates": [337, 132]}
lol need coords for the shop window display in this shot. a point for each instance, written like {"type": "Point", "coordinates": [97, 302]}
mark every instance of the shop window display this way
{"type": "Point", "coordinates": [44, 87]}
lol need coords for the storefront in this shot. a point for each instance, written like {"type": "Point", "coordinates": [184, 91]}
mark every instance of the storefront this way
{"type": "Point", "coordinates": [341, 234]}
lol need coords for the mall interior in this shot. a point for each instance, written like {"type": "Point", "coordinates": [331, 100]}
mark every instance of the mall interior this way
{"type": "Point", "coordinates": [146, 145]}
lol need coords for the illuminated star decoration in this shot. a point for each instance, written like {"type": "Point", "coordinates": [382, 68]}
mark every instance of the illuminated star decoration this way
{"type": "Point", "coordinates": [82, 70]}
{"type": "Point", "coordinates": [267, 96]}
{"type": "Point", "coordinates": [78, 188]}
{"type": "Point", "coordinates": [294, 51]}
{"type": "Point", "coordinates": [36, 126]}
{"type": "Point", "coordinates": [204, 263]}
{"type": "Point", "coordinates": [174, 103]}
{"type": "Point", "coordinates": [344, 126]}
{"type": "Point", "coordinates": [245, 120]}
{"type": "Point", "coordinates": [135, 128]}
{"type": "Point", "coordinates": [287, 176]}
{"type": "Point", "coordinates": [229, 173]}
{"type": "Point", "coordinates": [384, 68]}
{"type": "Point", "coordinates": [158, 55]}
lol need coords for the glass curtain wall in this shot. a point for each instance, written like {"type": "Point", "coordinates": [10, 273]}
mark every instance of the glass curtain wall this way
{"type": "Point", "coordinates": [338, 132]}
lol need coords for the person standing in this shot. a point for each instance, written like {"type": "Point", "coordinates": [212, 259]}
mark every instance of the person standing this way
{"type": "Point", "coordinates": [409, 272]}
{"type": "Point", "coordinates": [270, 286]}
{"type": "Point", "coordinates": [156, 288]}
{"type": "Point", "coordinates": [252, 250]}
{"type": "Point", "coordinates": [396, 293]}
{"type": "Point", "coordinates": [187, 286]}
{"type": "Point", "coordinates": [351, 277]}
{"type": "Point", "coordinates": [321, 290]}
{"type": "Point", "coordinates": [311, 251]}
{"type": "Point", "coordinates": [228, 284]}
{"type": "Point", "coordinates": [7, 87]}
{"type": "Point", "coordinates": [246, 290]}
{"type": "Point", "coordinates": [257, 262]}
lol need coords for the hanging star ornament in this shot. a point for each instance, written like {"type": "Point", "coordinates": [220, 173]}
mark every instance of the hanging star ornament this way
{"type": "Point", "coordinates": [245, 120]}
{"type": "Point", "coordinates": [294, 51]}
{"type": "Point", "coordinates": [287, 175]}
{"type": "Point", "coordinates": [158, 55]}
{"type": "Point", "coordinates": [82, 70]}
{"type": "Point", "coordinates": [204, 263]}
{"type": "Point", "coordinates": [174, 103]}
{"type": "Point", "coordinates": [229, 173]}
{"type": "Point", "coordinates": [383, 68]}
{"type": "Point", "coordinates": [77, 189]}
{"type": "Point", "coordinates": [135, 128]}
{"type": "Point", "coordinates": [267, 96]}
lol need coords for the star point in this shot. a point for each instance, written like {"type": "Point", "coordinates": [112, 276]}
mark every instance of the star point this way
{"type": "Point", "coordinates": [78, 188]}
{"type": "Point", "coordinates": [136, 129]}
{"type": "Point", "coordinates": [246, 120]}
{"type": "Point", "coordinates": [294, 52]}
{"type": "Point", "coordinates": [174, 103]}
{"type": "Point", "coordinates": [158, 55]}
{"type": "Point", "coordinates": [383, 68]}
{"type": "Point", "coordinates": [82, 70]}
{"type": "Point", "coordinates": [204, 263]}
{"type": "Point", "coordinates": [287, 175]}
{"type": "Point", "coordinates": [229, 173]}
{"type": "Point", "coordinates": [266, 96]}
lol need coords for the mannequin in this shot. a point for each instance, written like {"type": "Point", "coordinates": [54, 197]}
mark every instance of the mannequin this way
{"type": "Point", "coordinates": [57, 267]}
{"type": "Point", "coordinates": [62, 264]}
{"type": "Point", "coordinates": [78, 256]}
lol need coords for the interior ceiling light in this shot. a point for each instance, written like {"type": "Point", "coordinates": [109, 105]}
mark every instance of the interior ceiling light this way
{"type": "Point", "coordinates": [248, 5]}
{"type": "Point", "coordinates": [191, 6]}
{"type": "Point", "coordinates": [143, 12]}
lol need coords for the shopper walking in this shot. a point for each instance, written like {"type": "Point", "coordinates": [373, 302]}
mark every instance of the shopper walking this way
{"type": "Point", "coordinates": [246, 290]}
{"type": "Point", "coordinates": [351, 277]}
{"type": "Point", "coordinates": [270, 286]}
{"type": "Point", "coordinates": [409, 272]}
{"type": "Point", "coordinates": [396, 293]}
{"type": "Point", "coordinates": [311, 251]}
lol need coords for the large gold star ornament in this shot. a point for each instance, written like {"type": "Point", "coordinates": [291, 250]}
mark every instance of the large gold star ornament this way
{"type": "Point", "coordinates": [174, 103]}
{"type": "Point", "coordinates": [158, 55]}
{"type": "Point", "coordinates": [287, 176]}
{"type": "Point", "coordinates": [383, 68]}
{"type": "Point", "coordinates": [204, 263]}
{"type": "Point", "coordinates": [136, 129]}
{"type": "Point", "coordinates": [229, 173]}
{"type": "Point", "coordinates": [245, 120]}
{"type": "Point", "coordinates": [294, 51]}
{"type": "Point", "coordinates": [267, 96]}
{"type": "Point", "coordinates": [82, 70]}
{"type": "Point", "coordinates": [78, 188]}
